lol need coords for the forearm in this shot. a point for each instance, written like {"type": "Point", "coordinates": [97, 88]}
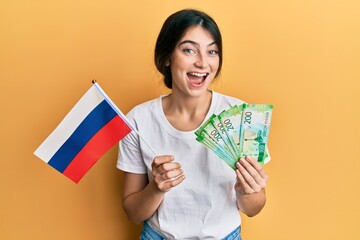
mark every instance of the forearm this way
{"type": "Point", "coordinates": [141, 205]}
{"type": "Point", "coordinates": [251, 204]}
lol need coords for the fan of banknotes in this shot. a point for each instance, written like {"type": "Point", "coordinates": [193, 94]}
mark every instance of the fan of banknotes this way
{"type": "Point", "coordinates": [240, 131]}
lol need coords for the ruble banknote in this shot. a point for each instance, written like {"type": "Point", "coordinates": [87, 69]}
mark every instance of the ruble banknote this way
{"type": "Point", "coordinates": [254, 131]}
{"type": "Point", "coordinates": [239, 131]}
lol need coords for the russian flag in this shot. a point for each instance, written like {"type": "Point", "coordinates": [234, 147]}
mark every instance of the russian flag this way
{"type": "Point", "coordinates": [87, 132]}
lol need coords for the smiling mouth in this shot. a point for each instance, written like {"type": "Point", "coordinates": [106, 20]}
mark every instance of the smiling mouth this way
{"type": "Point", "coordinates": [197, 79]}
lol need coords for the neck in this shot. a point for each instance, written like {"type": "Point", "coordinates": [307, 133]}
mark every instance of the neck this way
{"type": "Point", "coordinates": [186, 104]}
{"type": "Point", "coordinates": [186, 113]}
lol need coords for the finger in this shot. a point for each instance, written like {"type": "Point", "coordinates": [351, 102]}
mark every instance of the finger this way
{"type": "Point", "coordinates": [257, 166]}
{"type": "Point", "coordinates": [167, 185]}
{"type": "Point", "coordinates": [169, 166]}
{"type": "Point", "coordinates": [256, 172]}
{"type": "Point", "coordinates": [240, 178]}
{"type": "Point", "coordinates": [260, 176]}
{"type": "Point", "coordinates": [169, 175]}
{"type": "Point", "coordinates": [161, 160]}
{"type": "Point", "coordinates": [165, 167]}
{"type": "Point", "coordinates": [248, 166]}
{"type": "Point", "coordinates": [175, 181]}
{"type": "Point", "coordinates": [242, 186]}
{"type": "Point", "coordinates": [248, 172]}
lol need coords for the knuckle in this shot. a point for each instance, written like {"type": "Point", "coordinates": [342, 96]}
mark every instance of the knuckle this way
{"type": "Point", "coordinates": [257, 190]}
{"type": "Point", "coordinates": [252, 182]}
{"type": "Point", "coordinates": [162, 167]}
{"type": "Point", "coordinates": [167, 174]}
{"type": "Point", "coordinates": [155, 162]}
{"type": "Point", "coordinates": [266, 177]}
{"type": "Point", "coordinates": [249, 191]}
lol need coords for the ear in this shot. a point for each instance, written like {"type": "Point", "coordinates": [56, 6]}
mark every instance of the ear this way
{"type": "Point", "coordinates": [167, 63]}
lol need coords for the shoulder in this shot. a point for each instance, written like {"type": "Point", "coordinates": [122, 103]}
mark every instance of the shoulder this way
{"type": "Point", "coordinates": [143, 108]}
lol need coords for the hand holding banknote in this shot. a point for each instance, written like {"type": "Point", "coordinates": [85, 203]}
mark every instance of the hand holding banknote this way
{"type": "Point", "coordinates": [251, 176]}
{"type": "Point", "coordinates": [237, 132]}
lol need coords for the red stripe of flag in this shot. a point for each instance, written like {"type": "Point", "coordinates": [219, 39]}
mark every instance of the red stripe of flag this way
{"type": "Point", "coordinates": [100, 143]}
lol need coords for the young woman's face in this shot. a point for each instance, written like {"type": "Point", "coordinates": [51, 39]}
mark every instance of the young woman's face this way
{"type": "Point", "coordinates": [194, 62]}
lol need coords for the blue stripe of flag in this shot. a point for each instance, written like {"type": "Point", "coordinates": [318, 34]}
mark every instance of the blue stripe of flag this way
{"type": "Point", "coordinates": [96, 119]}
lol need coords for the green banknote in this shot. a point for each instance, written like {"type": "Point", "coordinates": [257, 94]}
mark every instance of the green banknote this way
{"type": "Point", "coordinates": [254, 132]}
{"type": "Point", "coordinates": [231, 121]}
{"type": "Point", "coordinates": [239, 131]}
{"type": "Point", "coordinates": [214, 134]}
{"type": "Point", "coordinates": [208, 135]}
{"type": "Point", "coordinates": [224, 134]}
{"type": "Point", "coordinates": [208, 142]}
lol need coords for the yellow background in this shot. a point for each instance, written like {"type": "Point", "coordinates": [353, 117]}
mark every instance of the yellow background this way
{"type": "Point", "coordinates": [303, 56]}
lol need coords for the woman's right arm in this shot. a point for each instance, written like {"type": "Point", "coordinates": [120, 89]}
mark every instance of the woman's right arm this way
{"type": "Point", "coordinates": [142, 198]}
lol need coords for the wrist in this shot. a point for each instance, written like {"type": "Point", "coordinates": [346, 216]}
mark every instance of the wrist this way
{"type": "Point", "coordinates": [155, 189]}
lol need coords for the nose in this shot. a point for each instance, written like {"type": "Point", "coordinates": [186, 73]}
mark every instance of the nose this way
{"type": "Point", "coordinates": [201, 61]}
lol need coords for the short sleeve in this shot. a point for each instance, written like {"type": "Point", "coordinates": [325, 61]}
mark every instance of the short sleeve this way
{"type": "Point", "coordinates": [129, 156]}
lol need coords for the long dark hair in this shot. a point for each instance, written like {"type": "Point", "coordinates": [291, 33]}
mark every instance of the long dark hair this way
{"type": "Point", "coordinates": [174, 29]}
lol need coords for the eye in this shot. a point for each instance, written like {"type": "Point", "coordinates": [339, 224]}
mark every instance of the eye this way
{"type": "Point", "coordinates": [213, 52]}
{"type": "Point", "coordinates": [188, 50]}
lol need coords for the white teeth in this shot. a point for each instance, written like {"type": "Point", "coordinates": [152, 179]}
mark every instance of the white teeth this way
{"type": "Point", "coordinates": [198, 74]}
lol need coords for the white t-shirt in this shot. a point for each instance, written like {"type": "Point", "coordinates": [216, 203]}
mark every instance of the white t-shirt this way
{"type": "Point", "coordinates": [203, 206]}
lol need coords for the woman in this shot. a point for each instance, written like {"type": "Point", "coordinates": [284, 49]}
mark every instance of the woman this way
{"type": "Point", "coordinates": [185, 191]}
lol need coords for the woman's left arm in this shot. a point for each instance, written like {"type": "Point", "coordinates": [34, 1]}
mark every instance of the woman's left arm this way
{"type": "Point", "coordinates": [251, 180]}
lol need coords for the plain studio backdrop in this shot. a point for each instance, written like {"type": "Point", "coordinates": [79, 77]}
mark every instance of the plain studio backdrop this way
{"type": "Point", "coordinates": [302, 56]}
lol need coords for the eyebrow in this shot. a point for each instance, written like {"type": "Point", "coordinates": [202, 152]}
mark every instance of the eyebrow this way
{"type": "Point", "coordinates": [194, 43]}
